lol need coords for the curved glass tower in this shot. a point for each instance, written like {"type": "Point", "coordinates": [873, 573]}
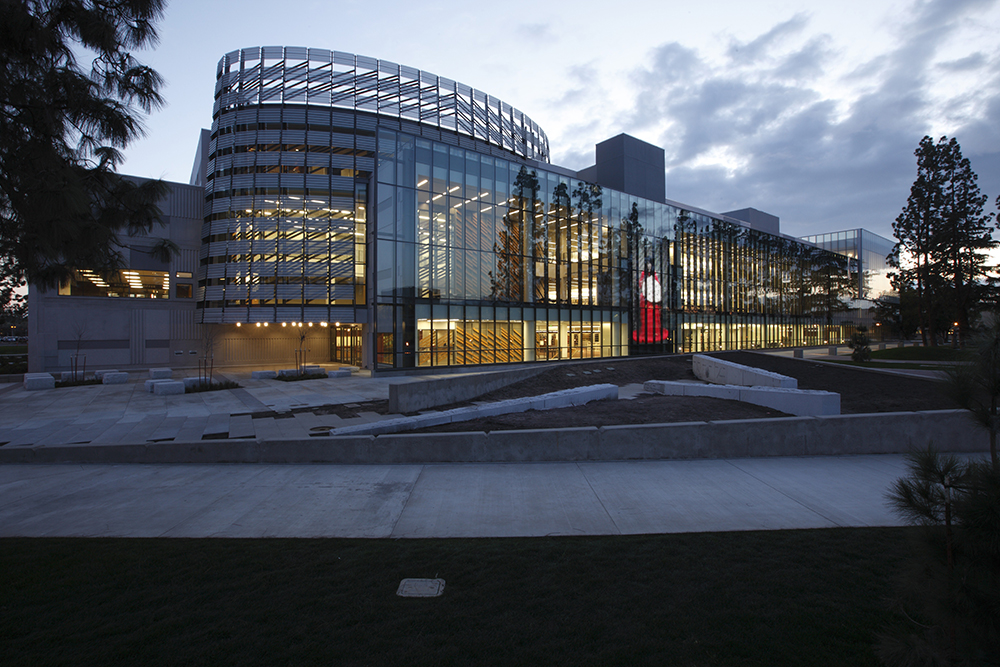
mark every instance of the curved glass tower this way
{"type": "Point", "coordinates": [292, 156]}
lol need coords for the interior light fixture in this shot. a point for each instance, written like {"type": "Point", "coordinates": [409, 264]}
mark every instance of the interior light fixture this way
{"type": "Point", "coordinates": [284, 324]}
{"type": "Point", "coordinates": [265, 324]}
{"type": "Point", "coordinates": [258, 324]}
{"type": "Point", "coordinates": [238, 324]}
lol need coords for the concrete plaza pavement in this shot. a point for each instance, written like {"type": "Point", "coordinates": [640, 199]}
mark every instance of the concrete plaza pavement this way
{"type": "Point", "coordinates": [446, 500]}
{"type": "Point", "coordinates": [127, 413]}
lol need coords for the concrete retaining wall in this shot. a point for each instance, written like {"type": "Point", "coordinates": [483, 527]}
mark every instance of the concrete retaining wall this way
{"type": "Point", "coordinates": [416, 396]}
{"type": "Point", "coordinates": [718, 371]}
{"type": "Point", "coordinates": [880, 433]}
{"type": "Point", "coordinates": [550, 401]}
{"type": "Point", "coordinates": [799, 402]}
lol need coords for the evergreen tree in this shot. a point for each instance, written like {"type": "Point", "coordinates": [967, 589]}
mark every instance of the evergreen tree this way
{"type": "Point", "coordinates": [966, 236]}
{"type": "Point", "coordinates": [62, 128]}
{"type": "Point", "coordinates": [916, 230]}
{"type": "Point", "coordinates": [948, 599]}
{"type": "Point", "coordinates": [942, 239]}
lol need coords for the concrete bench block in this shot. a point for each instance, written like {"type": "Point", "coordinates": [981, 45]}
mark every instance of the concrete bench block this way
{"type": "Point", "coordinates": [797, 402]}
{"type": "Point", "coordinates": [665, 387]}
{"type": "Point", "coordinates": [494, 409]}
{"type": "Point", "coordinates": [190, 382]}
{"type": "Point", "coordinates": [727, 392]}
{"type": "Point", "coordinates": [312, 368]}
{"type": "Point", "coordinates": [114, 377]}
{"type": "Point", "coordinates": [100, 374]}
{"type": "Point", "coordinates": [718, 371]}
{"type": "Point", "coordinates": [554, 401]}
{"type": "Point", "coordinates": [288, 372]}
{"type": "Point", "coordinates": [264, 375]}
{"type": "Point", "coordinates": [463, 414]}
{"type": "Point", "coordinates": [37, 381]}
{"type": "Point", "coordinates": [656, 386]}
{"type": "Point", "coordinates": [168, 388]}
{"type": "Point", "coordinates": [67, 376]}
{"type": "Point", "coordinates": [799, 354]}
{"type": "Point", "coordinates": [349, 368]}
{"type": "Point", "coordinates": [432, 419]}
{"type": "Point", "coordinates": [151, 383]}
{"type": "Point", "coordinates": [160, 373]}
{"type": "Point", "coordinates": [338, 374]}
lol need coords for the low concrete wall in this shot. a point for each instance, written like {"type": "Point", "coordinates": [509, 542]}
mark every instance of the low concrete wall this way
{"type": "Point", "coordinates": [718, 371]}
{"type": "Point", "coordinates": [879, 433]}
{"type": "Point", "coordinates": [416, 396]}
{"type": "Point", "coordinates": [799, 402]}
{"type": "Point", "coordinates": [550, 401]}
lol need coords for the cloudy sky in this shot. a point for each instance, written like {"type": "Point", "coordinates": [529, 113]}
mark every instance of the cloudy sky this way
{"type": "Point", "coordinates": [809, 111]}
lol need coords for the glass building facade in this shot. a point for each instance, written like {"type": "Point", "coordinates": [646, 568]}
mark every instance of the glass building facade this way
{"type": "Point", "coordinates": [870, 249]}
{"type": "Point", "coordinates": [421, 221]}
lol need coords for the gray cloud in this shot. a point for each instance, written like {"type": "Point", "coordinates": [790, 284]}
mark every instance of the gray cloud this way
{"type": "Point", "coordinates": [818, 164]}
{"type": "Point", "coordinates": [969, 63]}
{"type": "Point", "coordinates": [758, 48]}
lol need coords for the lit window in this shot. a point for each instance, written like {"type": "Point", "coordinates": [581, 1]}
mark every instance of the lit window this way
{"type": "Point", "coordinates": [125, 283]}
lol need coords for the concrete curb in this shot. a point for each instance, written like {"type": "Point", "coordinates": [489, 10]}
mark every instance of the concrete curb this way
{"type": "Point", "coordinates": [879, 433]}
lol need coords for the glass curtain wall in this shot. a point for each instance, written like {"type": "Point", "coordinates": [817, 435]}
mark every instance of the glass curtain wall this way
{"type": "Point", "coordinates": [288, 192]}
{"type": "Point", "coordinates": [482, 260]}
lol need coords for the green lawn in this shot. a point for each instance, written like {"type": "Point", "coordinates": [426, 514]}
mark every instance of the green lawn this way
{"type": "Point", "coordinates": [13, 349]}
{"type": "Point", "coordinates": [939, 353]}
{"type": "Point", "coordinates": [807, 597]}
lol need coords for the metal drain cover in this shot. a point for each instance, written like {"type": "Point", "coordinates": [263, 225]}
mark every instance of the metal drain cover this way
{"type": "Point", "coordinates": [420, 588]}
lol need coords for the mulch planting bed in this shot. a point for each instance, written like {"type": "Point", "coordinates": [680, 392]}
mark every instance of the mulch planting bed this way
{"type": "Point", "coordinates": [861, 391]}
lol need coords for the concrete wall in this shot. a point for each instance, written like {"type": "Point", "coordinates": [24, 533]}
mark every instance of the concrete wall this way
{"type": "Point", "coordinates": [881, 433]}
{"type": "Point", "coordinates": [799, 402]}
{"type": "Point", "coordinates": [116, 332]}
{"type": "Point", "coordinates": [416, 396]}
{"type": "Point", "coordinates": [718, 371]}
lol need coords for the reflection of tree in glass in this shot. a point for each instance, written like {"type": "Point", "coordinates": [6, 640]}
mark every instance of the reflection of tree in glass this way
{"type": "Point", "coordinates": [685, 233]}
{"type": "Point", "coordinates": [507, 283]}
{"type": "Point", "coordinates": [827, 287]}
{"type": "Point", "coordinates": [588, 198]}
{"type": "Point", "coordinates": [727, 236]}
{"type": "Point", "coordinates": [539, 250]}
{"type": "Point", "coordinates": [561, 209]}
{"type": "Point", "coordinates": [631, 232]}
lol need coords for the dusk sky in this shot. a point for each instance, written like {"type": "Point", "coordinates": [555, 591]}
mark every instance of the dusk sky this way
{"type": "Point", "coordinates": [809, 111]}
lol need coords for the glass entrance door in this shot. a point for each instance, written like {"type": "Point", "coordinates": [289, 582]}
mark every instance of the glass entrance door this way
{"type": "Point", "coordinates": [345, 345]}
